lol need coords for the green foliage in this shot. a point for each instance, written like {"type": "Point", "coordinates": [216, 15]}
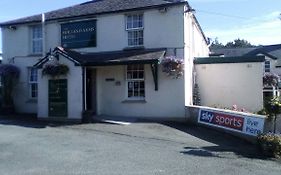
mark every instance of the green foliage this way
{"type": "Point", "coordinates": [263, 111]}
{"type": "Point", "coordinates": [270, 144]}
{"type": "Point", "coordinates": [272, 106]}
{"type": "Point", "coordinates": [9, 75]}
{"type": "Point", "coordinates": [196, 95]}
{"type": "Point", "coordinates": [216, 44]}
{"type": "Point", "coordinates": [237, 43]}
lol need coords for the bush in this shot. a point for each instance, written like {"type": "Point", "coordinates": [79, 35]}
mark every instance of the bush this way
{"type": "Point", "coordinates": [270, 144]}
{"type": "Point", "coordinates": [263, 112]}
{"type": "Point", "coordinates": [9, 77]}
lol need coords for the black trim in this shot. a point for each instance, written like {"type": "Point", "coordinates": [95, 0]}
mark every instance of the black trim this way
{"type": "Point", "coordinates": [219, 60]}
{"type": "Point", "coordinates": [154, 69]}
{"type": "Point", "coordinates": [153, 61]}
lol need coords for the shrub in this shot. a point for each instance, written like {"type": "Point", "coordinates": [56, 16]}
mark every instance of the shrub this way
{"type": "Point", "coordinates": [270, 144]}
{"type": "Point", "coordinates": [263, 112]}
{"type": "Point", "coordinates": [9, 75]}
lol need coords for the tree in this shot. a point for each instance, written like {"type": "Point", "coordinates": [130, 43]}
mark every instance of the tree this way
{"type": "Point", "coordinates": [237, 43]}
{"type": "Point", "coordinates": [216, 44]}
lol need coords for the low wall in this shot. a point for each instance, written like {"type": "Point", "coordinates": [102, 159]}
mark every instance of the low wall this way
{"type": "Point", "coordinates": [243, 125]}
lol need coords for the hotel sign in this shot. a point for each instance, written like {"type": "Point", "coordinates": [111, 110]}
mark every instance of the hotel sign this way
{"type": "Point", "coordinates": [249, 125]}
{"type": "Point", "coordinates": [79, 34]}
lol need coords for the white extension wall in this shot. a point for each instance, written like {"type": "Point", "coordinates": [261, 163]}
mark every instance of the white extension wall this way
{"type": "Point", "coordinates": [224, 85]}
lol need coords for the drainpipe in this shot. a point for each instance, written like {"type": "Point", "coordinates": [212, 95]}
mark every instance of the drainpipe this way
{"type": "Point", "coordinates": [43, 35]}
{"type": "Point", "coordinates": [83, 88]}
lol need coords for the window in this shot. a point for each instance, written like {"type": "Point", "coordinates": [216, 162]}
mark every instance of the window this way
{"type": "Point", "coordinates": [267, 66]}
{"type": "Point", "coordinates": [135, 81]}
{"type": "Point", "coordinates": [37, 39]}
{"type": "Point", "coordinates": [33, 88]}
{"type": "Point", "coordinates": [134, 26]}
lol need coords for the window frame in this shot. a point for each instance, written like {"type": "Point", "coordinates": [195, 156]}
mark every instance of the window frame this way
{"type": "Point", "coordinates": [133, 80]}
{"type": "Point", "coordinates": [267, 69]}
{"type": "Point", "coordinates": [135, 34]}
{"type": "Point", "coordinates": [32, 80]}
{"type": "Point", "coordinates": [35, 39]}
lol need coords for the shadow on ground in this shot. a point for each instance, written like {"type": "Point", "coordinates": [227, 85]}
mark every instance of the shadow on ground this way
{"type": "Point", "coordinates": [30, 122]}
{"type": "Point", "coordinates": [225, 143]}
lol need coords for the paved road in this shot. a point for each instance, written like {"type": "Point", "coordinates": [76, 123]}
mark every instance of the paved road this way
{"type": "Point", "coordinates": [28, 148]}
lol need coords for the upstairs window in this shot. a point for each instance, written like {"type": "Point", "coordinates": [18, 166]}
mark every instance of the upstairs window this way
{"type": "Point", "coordinates": [135, 81]}
{"type": "Point", "coordinates": [134, 27]}
{"type": "Point", "coordinates": [33, 86]}
{"type": "Point", "coordinates": [267, 66]}
{"type": "Point", "coordinates": [37, 39]}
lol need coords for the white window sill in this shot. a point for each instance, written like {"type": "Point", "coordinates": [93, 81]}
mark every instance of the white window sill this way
{"type": "Point", "coordinates": [134, 101]}
{"type": "Point", "coordinates": [32, 100]}
{"type": "Point", "coordinates": [134, 47]}
{"type": "Point", "coordinates": [35, 54]}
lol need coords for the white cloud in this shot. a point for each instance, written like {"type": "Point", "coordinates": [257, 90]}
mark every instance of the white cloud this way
{"type": "Point", "coordinates": [262, 30]}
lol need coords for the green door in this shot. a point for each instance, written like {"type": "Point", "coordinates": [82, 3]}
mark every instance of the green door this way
{"type": "Point", "coordinates": [58, 98]}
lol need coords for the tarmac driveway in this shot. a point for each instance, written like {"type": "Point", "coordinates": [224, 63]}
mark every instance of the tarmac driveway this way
{"type": "Point", "coordinates": [30, 147]}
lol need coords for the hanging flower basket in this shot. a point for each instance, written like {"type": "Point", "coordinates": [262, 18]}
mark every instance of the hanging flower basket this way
{"type": "Point", "coordinates": [172, 66]}
{"type": "Point", "coordinates": [55, 70]}
{"type": "Point", "coordinates": [270, 79]}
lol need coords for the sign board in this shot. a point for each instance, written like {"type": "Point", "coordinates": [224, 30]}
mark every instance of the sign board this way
{"type": "Point", "coordinates": [248, 125]}
{"type": "Point", "coordinates": [79, 34]}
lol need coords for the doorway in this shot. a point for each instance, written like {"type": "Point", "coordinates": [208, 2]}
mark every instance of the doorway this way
{"type": "Point", "coordinates": [58, 98]}
{"type": "Point", "coordinates": [91, 91]}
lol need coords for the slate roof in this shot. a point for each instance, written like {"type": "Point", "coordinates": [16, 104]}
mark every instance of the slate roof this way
{"type": "Point", "coordinates": [232, 52]}
{"type": "Point", "coordinates": [272, 51]}
{"type": "Point", "coordinates": [95, 7]}
{"type": "Point", "coordinates": [124, 57]}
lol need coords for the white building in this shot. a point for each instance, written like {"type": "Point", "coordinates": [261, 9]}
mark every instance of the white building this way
{"type": "Point", "coordinates": [112, 49]}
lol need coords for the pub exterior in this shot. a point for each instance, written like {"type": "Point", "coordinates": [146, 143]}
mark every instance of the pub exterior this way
{"type": "Point", "coordinates": [110, 52]}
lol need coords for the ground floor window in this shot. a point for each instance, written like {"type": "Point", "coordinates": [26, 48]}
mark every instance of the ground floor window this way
{"type": "Point", "coordinates": [135, 81]}
{"type": "Point", "coordinates": [33, 85]}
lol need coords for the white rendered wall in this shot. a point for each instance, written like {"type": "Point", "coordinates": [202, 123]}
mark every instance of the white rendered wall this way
{"type": "Point", "coordinates": [194, 46]}
{"type": "Point", "coordinates": [167, 102]}
{"type": "Point", "coordinates": [74, 91]}
{"type": "Point", "coordinates": [225, 85]}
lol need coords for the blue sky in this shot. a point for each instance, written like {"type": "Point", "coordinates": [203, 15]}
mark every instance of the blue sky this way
{"type": "Point", "coordinates": [254, 20]}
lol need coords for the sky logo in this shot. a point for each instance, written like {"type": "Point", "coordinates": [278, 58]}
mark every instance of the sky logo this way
{"type": "Point", "coordinates": [206, 116]}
